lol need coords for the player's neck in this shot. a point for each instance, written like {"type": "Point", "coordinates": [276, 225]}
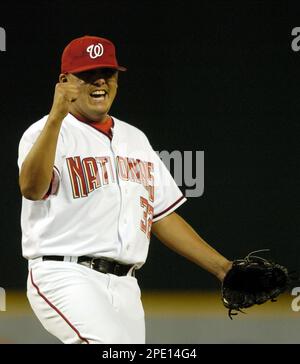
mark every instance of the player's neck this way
{"type": "Point", "coordinates": [82, 118]}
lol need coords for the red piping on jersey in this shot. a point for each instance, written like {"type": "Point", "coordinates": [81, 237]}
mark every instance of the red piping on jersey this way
{"type": "Point", "coordinates": [169, 208]}
{"type": "Point", "coordinates": [56, 309]}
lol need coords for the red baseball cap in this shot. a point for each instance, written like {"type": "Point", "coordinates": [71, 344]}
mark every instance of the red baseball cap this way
{"type": "Point", "coordinates": [87, 53]}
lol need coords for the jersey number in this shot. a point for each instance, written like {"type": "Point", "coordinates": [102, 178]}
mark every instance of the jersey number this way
{"type": "Point", "coordinates": [146, 222]}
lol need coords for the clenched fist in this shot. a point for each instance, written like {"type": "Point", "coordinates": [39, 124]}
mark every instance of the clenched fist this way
{"type": "Point", "coordinates": [65, 94]}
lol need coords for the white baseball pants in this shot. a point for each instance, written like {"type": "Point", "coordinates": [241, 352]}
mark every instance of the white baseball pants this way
{"type": "Point", "coordinates": [79, 305]}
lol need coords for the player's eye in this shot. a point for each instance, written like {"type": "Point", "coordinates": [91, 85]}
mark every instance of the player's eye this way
{"type": "Point", "coordinates": [106, 73]}
{"type": "Point", "coordinates": [94, 75]}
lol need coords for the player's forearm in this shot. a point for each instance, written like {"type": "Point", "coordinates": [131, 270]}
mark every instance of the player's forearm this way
{"type": "Point", "coordinates": [179, 236]}
{"type": "Point", "coordinates": [37, 168]}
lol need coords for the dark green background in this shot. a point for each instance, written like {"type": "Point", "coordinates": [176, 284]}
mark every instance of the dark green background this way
{"type": "Point", "coordinates": [217, 76]}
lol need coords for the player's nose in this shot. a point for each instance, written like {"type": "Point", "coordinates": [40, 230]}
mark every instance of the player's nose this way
{"type": "Point", "coordinates": [99, 81]}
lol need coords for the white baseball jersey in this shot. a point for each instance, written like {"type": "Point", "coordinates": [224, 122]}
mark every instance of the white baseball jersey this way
{"type": "Point", "coordinates": [106, 192]}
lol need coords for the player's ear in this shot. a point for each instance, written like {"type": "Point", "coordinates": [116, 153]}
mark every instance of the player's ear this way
{"type": "Point", "coordinates": [63, 78]}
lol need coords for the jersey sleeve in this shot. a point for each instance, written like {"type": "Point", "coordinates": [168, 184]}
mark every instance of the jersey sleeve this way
{"type": "Point", "coordinates": [26, 143]}
{"type": "Point", "coordinates": [167, 195]}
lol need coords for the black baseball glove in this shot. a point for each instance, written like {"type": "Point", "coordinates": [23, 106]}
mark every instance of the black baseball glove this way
{"type": "Point", "coordinates": [253, 280]}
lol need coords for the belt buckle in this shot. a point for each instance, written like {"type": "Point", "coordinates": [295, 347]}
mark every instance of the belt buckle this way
{"type": "Point", "coordinates": [92, 263]}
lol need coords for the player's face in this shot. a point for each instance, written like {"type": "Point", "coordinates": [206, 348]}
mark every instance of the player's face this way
{"type": "Point", "coordinates": [98, 89]}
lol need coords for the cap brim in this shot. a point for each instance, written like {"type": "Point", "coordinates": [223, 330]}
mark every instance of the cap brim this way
{"type": "Point", "coordinates": [95, 66]}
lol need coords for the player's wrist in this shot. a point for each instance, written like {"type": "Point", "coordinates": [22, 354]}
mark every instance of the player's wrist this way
{"type": "Point", "coordinates": [225, 267]}
{"type": "Point", "coordinates": [56, 117]}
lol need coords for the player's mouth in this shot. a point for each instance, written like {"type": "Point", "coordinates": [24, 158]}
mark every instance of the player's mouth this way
{"type": "Point", "coordinates": [98, 95]}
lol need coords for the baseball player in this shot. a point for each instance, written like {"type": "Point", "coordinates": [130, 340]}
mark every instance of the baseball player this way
{"type": "Point", "coordinates": [93, 191]}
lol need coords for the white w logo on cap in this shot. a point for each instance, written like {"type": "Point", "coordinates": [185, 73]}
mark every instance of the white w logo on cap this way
{"type": "Point", "coordinates": [95, 50]}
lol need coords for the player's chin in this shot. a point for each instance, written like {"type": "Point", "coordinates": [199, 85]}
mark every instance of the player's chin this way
{"type": "Point", "coordinates": [99, 107]}
{"type": "Point", "coordinates": [96, 113]}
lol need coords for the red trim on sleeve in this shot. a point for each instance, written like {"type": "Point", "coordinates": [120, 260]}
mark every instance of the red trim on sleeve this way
{"type": "Point", "coordinates": [56, 309]}
{"type": "Point", "coordinates": [169, 208]}
{"type": "Point", "coordinates": [53, 184]}
{"type": "Point", "coordinates": [56, 170]}
{"type": "Point", "coordinates": [48, 193]}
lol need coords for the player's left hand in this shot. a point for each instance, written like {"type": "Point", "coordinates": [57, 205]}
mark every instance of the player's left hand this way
{"type": "Point", "coordinates": [253, 280]}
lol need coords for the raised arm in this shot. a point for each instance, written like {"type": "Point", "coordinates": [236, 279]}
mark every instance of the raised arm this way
{"type": "Point", "coordinates": [37, 168]}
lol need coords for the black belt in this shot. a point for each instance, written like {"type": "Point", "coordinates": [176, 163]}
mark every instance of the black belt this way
{"type": "Point", "coordinates": [99, 264]}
